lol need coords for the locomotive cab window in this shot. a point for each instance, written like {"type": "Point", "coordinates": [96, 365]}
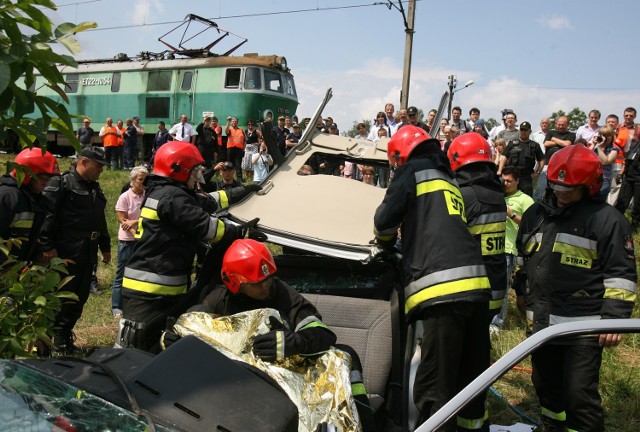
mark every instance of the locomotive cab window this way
{"type": "Point", "coordinates": [115, 82]}
{"type": "Point", "coordinates": [71, 83]}
{"type": "Point", "coordinates": [187, 78]}
{"type": "Point", "coordinates": [159, 81]}
{"type": "Point", "coordinates": [252, 79]}
{"type": "Point", "coordinates": [232, 78]}
{"type": "Point", "coordinates": [272, 81]}
{"type": "Point", "coordinates": [289, 86]}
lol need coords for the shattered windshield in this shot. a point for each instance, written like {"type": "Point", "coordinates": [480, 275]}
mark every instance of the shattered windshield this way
{"type": "Point", "coordinates": [31, 400]}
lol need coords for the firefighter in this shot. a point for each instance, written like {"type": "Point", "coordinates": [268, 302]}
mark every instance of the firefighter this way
{"type": "Point", "coordinates": [445, 282]}
{"type": "Point", "coordinates": [21, 207]}
{"type": "Point", "coordinates": [484, 206]}
{"type": "Point", "coordinates": [580, 265]}
{"type": "Point", "coordinates": [250, 282]}
{"type": "Point", "coordinates": [173, 220]}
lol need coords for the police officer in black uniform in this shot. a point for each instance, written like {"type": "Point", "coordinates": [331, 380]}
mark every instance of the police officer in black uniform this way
{"type": "Point", "coordinates": [522, 155]}
{"type": "Point", "coordinates": [75, 228]}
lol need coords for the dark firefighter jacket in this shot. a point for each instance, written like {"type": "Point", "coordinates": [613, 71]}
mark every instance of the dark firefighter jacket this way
{"type": "Point", "coordinates": [301, 316]}
{"type": "Point", "coordinates": [579, 261]}
{"type": "Point", "coordinates": [75, 224]}
{"type": "Point", "coordinates": [441, 262]}
{"type": "Point", "coordinates": [172, 222]}
{"type": "Point", "coordinates": [486, 213]}
{"type": "Point", "coordinates": [21, 216]}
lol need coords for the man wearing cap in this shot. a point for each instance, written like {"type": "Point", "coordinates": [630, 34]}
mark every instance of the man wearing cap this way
{"type": "Point", "coordinates": [75, 228]}
{"type": "Point", "coordinates": [281, 134]}
{"type": "Point", "coordinates": [522, 154]}
{"type": "Point", "coordinates": [333, 129]}
{"type": "Point", "coordinates": [294, 137]}
{"type": "Point", "coordinates": [85, 133]}
{"type": "Point", "coordinates": [510, 131]}
{"type": "Point", "coordinates": [412, 114]}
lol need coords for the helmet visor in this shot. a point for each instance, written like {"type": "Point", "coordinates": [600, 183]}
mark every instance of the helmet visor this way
{"type": "Point", "coordinates": [561, 188]}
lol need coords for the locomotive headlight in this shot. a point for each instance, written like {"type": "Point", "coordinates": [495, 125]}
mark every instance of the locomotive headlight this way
{"type": "Point", "coordinates": [283, 63]}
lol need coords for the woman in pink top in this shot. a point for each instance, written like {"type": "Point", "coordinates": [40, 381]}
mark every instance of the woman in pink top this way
{"type": "Point", "coordinates": [127, 212]}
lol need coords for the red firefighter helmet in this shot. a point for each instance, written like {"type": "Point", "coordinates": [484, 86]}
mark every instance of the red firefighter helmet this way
{"type": "Point", "coordinates": [39, 162]}
{"type": "Point", "coordinates": [575, 165]}
{"type": "Point", "coordinates": [403, 142]}
{"type": "Point", "coordinates": [176, 160]}
{"type": "Point", "coordinates": [246, 260]}
{"type": "Point", "coordinates": [468, 148]}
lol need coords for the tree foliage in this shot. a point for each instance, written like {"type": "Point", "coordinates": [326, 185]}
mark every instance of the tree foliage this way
{"type": "Point", "coordinates": [491, 123]}
{"type": "Point", "coordinates": [576, 117]}
{"type": "Point", "coordinates": [26, 39]}
{"type": "Point", "coordinates": [30, 298]}
{"type": "Point", "coordinates": [354, 128]}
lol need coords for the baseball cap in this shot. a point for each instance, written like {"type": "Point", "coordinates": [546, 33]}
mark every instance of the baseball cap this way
{"type": "Point", "coordinates": [96, 154]}
{"type": "Point", "coordinates": [525, 125]}
{"type": "Point", "coordinates": [479, 122]}
{"type": "Point", "coordinates": [412, 110]}
{"type": "Point", "coordinates": [136, 118]}
{"type": "Point", "coordinates": [227, 166]}
{"type": "Point", "coordinates": [333, 125]}
{"type": "Point", "coordinates": [506, 111]}
{"type": "Point", "coordinates": [281, 118]}
{"type": "Point", "coordinates": [295, 125]}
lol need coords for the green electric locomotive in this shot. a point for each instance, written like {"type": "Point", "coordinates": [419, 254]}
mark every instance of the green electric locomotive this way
{"type": "Point", "coordinates": [178, 81]}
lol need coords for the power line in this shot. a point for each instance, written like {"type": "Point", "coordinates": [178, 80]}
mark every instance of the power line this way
{"type": "Point", "coordinates": [251, 15]}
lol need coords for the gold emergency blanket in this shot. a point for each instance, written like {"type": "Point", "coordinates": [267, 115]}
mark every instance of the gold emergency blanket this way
{"type": "Point", "coordinates": [318, 385]}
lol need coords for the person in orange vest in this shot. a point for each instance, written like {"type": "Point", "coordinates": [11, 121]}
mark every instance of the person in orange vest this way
{"type": "Point", "coordinates": [235, 144]}
{"type": "Point", "coordinates": [109, 135]}
{"type": "Point", "coordinates": [621, 137]}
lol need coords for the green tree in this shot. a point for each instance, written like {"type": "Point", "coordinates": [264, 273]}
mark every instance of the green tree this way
{"type": "Point", "coordinates": [26, 39]}
{"type": "Point", "coordinates": [30, 296]}
{"type": "Point", "coordinates": [354, 128]}
{"type": "Point", "coordinates": [491, 123]}
{"type": "Point", "coordinates": [576, 117]}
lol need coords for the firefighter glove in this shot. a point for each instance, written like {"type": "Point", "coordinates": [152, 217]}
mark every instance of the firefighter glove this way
{"type": "Point", "coordinates": [278, 343]}
{"type": "Point", "coordinates": [253, 187]}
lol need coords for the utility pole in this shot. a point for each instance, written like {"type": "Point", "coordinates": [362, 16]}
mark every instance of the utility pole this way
{"type": "Point", "coordinates": [453, 81]}
{"type": "Point", "coordinates": [408, 48]}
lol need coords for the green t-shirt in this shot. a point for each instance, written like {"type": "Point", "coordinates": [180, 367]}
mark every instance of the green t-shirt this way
{"type": "Point", "coordinates": [519, 202]}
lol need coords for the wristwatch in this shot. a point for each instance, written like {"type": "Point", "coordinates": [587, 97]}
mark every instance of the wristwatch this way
{"type": "Point", "coordinates": [513, 216]}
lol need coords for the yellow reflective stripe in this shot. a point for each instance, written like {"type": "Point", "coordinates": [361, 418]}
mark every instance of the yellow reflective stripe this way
{"type": "Point", "coordinates": [279, 345]}
{"type": "Point", "coordinates": [358, 389]}
{"type": "Point", "coordinates": [153, 288]}
{"type": "Point", "coordinates": [619, 294]}
{"type": "Point", "coordinates": [224, 199]}
{"type": "Point", "coordinates": [22, 224]}
{"type": "Point", "coordinates": [219, 232]}
{"type": "Point", "coordinates": [621, 283]}
{"type": "Point", "coordinates": [472, 423]}
{"type": "Point", "coordinates": [561, 416]}
{"type": "Point", "coordinates": [496, 304]}
{"type": "Point", "coordinates": [435, 186]}
{"type": "Point", "coordinates": [495, 227]}
{"type": "Point", "coordinates": [575, 251]}
{"type": "Point", "coordinates": [147, 213]}
{"type": "Point", "coordinates": [446, 288]}
{"type": "Point", "coordinates": [314, 324]}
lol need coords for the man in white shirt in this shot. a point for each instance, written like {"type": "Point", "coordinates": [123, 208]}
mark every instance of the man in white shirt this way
{"type": "Point", "coordinates": [589, 130]}
{"type": "Point", "coordinates": [183, 131]}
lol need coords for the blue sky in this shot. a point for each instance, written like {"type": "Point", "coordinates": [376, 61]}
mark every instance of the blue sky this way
{"type": "Point", "coordinates": [534, 57]}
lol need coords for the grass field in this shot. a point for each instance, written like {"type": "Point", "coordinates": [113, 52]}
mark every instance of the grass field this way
{"type": "Point", "coordinates": [620, 374]}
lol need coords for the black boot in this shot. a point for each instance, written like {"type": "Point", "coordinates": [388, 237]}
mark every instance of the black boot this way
{"type": "Point", "coordinates": [63, 344]}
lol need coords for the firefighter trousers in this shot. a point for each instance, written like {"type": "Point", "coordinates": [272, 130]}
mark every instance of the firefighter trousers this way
{"type": "Point", "coordinates": [566, 381]}
{"type": "Point", "coordinates": [455, 350]}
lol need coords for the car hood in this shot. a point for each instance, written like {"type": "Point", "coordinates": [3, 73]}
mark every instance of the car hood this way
{"type": "Point", "coordinates": [323, 214]}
